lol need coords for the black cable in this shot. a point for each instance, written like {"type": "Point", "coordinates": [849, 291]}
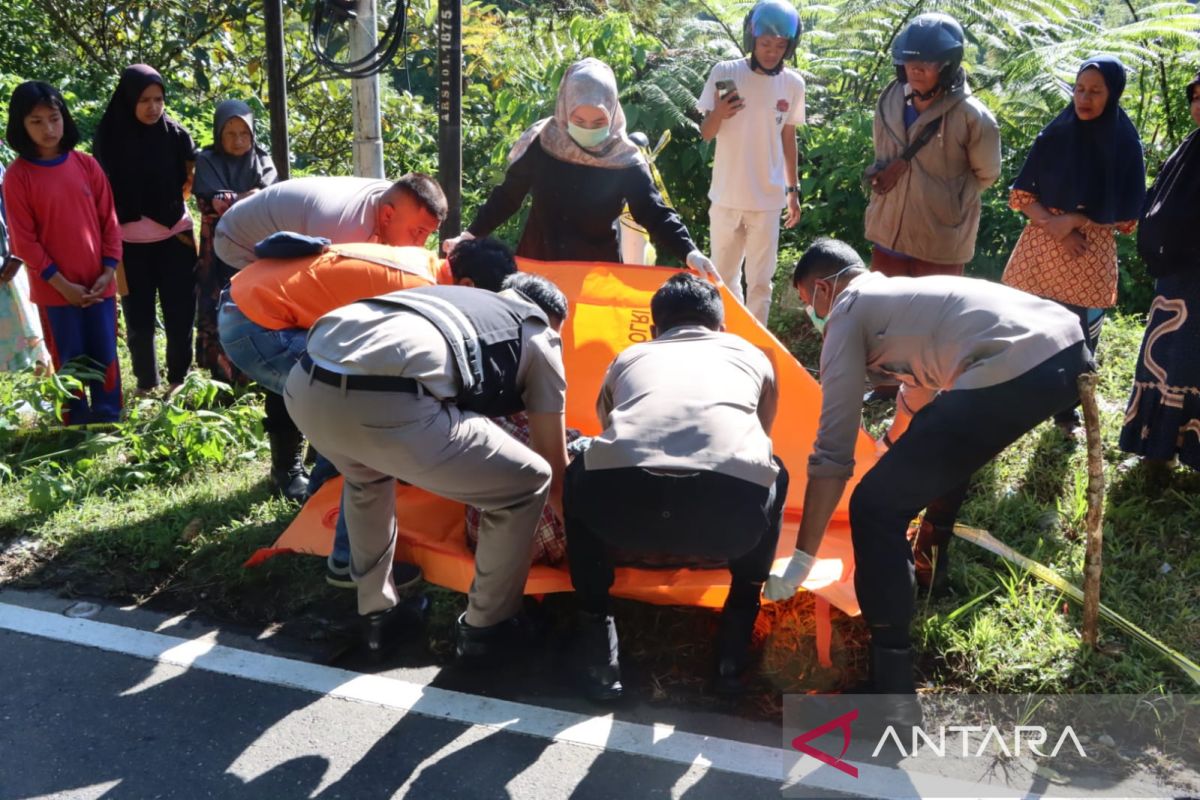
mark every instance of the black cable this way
{"type": "Point", "coordinates": [329, 14]}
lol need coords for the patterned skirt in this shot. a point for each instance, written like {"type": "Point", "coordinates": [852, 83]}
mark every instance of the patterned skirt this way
{"type": "Point", "coordinates": [1163, 416]}
{"type": "Point", "coordinates": [21, 343]}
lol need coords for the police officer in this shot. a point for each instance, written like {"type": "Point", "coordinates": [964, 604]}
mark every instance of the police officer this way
{"type": "Point", "coordinates": [963, 350]}
{"type": "Point", "coordinates": [686, 447]}
{"type": "Point", "coordinates": [402, 386]}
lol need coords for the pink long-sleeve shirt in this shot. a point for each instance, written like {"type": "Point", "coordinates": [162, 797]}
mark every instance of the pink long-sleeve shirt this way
{"type": "Point", "coordinates": [61, 219]}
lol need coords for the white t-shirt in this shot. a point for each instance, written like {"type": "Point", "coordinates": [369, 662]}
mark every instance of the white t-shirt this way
{"type": "Point", "coordinates": [749, 171]}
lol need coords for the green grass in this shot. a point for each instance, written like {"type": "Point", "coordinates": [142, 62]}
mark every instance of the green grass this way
{"type": "Point", "coordinates": [156, 513]}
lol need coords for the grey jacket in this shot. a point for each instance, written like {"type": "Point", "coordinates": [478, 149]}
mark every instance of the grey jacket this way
{"type": "Point", "coordinates": [933, 211]}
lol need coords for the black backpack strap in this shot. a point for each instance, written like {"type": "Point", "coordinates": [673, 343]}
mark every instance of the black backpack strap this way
{"type": "Point", "coordinates": [923, 138]}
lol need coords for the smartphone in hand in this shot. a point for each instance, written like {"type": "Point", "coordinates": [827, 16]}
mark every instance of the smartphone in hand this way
{"type": "Point", "coordinates": [726, 88]}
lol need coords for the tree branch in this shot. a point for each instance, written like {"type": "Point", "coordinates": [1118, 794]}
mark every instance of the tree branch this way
{"type": "Point", "coordinates": [72, 31]}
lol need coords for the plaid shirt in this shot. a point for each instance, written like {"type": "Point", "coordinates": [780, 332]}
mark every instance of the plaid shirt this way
{"type": "Point", "coordinates": [549, 538]}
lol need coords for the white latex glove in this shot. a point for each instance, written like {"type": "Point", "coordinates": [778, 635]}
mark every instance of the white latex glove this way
{"type": "Point", "coordinates": [449, 245]}
{"type": "Point", "coordinates": [701, 263]}
{"type": "Point", "coordinates": [782, 586]}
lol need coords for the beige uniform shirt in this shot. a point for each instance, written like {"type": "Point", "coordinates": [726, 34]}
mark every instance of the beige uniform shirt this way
{"type": "Point", "coordinates": [929, 334]}
{"type": "Point", "coordinates": [693, 399]}
{"type": "Point", "coordinates": [366, 338]}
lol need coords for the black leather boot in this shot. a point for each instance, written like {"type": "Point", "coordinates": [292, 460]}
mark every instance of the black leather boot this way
{"type": "Point", "coordinates": [383, 631]}
{"type": "Point", "coordinates": [931, 557]}
{"type": "Point", "coordinates": [598, 658]}
{"type": "Point", "coordinates": [892, 675]}
{"type": "Point", "coordinates": [734, 635]}
{"type": "Point", "coordinates": [287, 463]}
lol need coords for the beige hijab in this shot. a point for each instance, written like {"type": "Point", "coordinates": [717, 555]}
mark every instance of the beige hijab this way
{"type": "Point", "coordinates": [589, 82]}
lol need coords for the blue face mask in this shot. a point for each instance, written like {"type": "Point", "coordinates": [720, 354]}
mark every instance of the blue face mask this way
{"type": "Point", "coordinates": [818, 321]}
{"type": "Point", "coordinates": [587, 137]}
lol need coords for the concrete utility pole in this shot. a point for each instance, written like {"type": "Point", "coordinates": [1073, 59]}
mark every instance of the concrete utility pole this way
{"type": "Point", "coordinates": [368, 130]}
{"type": "Point", "coordinates": [450, 112]}
{"type": "Point", "coordinates": [277, 87]}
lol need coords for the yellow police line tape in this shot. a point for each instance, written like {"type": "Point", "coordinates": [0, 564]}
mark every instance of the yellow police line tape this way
{"type": "Point", "coordinates": [994, 545]}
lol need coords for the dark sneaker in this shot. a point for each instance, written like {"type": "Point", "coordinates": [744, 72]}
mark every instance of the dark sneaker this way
{"type": "Point", "coordinates": [337, 573]}
{"type": "Point", "coordinates": [406, 576]}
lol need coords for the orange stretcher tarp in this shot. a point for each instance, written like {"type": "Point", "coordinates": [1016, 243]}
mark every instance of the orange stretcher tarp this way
{"type": "Point", "coordinates": [610, 310]}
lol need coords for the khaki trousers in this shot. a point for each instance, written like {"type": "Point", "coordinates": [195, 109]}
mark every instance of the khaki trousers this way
{"type": "Point", "coordinates": [374, 437]}
{"type": "Point", "coordinates": [752, 238]}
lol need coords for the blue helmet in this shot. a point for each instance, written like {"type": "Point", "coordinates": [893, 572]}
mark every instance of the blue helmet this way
{"type": "Point", "coordinates": [772, 18]}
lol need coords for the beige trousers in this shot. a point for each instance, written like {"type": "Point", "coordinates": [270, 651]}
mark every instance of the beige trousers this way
{"type": "Point", "coordinates": [752, 238]}
{"type": "Point", "coordinates": [374, 437]}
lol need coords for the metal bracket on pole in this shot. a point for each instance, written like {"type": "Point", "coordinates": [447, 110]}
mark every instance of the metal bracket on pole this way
{"type": "Point", "coordinates": [368, 132]}
{"type": "Point", "coordinates": [450, 112]}
{"type": "Point", "coordinates": [277, 87]}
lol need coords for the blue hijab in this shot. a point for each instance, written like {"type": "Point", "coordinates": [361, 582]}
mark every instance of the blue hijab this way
{"type": "Point", "coordinates": [1092, 167]}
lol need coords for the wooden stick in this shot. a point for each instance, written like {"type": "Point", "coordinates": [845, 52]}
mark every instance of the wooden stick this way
{"type": "Point", "coordinates": [1092, 558]}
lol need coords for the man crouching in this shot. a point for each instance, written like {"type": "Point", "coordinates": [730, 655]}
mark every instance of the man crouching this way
{"type": "Point", "coordinates": [684, 467]}
{"type": "Point", "coordinates": [403, 386]}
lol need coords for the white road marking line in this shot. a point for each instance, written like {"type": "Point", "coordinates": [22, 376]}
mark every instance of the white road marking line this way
{"type": "Point", "coordinates": [597, 732]}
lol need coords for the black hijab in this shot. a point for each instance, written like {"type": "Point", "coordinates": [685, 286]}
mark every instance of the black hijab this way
{"type": "Point", "coordinates": [1093, 167]}
{"type": "Point", "coordinates": [146, 164]}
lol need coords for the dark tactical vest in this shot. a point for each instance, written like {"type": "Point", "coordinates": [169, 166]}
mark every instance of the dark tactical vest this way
{"type": "Point", "coordinates": [484, 332]}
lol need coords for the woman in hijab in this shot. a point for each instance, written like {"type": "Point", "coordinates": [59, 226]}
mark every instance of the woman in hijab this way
{"type": "Point", "coordinates": [1084, 178]}
{"type": "Point", "coordinates": [231, 168]}
{"type": "Point", "coordinates": [149, 159]}
{"type": "Point", "coordinates": [1162, 421]}
{"type": "Point", "coordinates": [581, 170]}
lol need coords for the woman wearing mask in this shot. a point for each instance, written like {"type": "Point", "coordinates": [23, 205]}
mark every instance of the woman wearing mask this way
{"type": "Point", "coordinates": [1084, 180]}
{"type": "Point", "coordinates": [149, 159]}
{"type": "Point", "coordinates": [232, 168]}
{"type": "Point", "coordinates": [581, 169]}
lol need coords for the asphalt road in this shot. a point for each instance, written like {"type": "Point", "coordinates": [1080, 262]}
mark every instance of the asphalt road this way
{"type": "Point", "coordinates": [80, 722]}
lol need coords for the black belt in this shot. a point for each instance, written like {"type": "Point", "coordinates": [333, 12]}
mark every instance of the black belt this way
{"type": "Point", "coordinates": [362, 383]}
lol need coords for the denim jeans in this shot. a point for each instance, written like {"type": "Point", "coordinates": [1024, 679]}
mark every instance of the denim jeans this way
{"type": "Point", "coordinates": [341, 536]}
{"type": "Point", "coordinates": [265, 355]}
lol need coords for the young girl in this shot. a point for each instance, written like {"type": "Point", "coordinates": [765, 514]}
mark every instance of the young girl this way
{"type": "Point", "coordinates": [149, 159]}
{"type": "Point", "coordinates": [63, 226]}
{"type": "Point", "coordinates": [232, 168]}
{"type": "Point", "coordinates": [1084, 178]}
